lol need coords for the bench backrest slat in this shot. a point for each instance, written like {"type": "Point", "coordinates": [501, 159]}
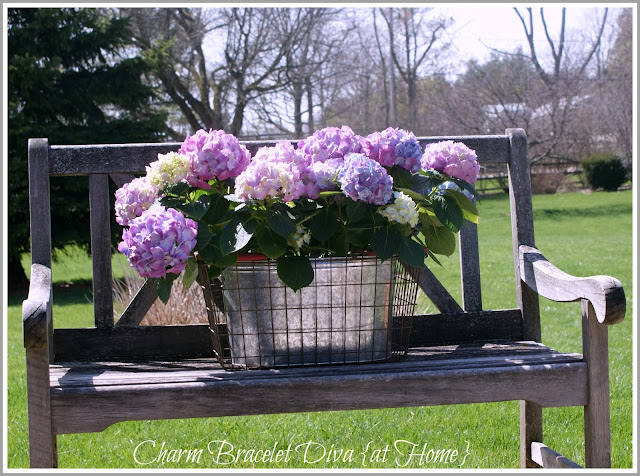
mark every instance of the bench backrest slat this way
{"type": "Point", "coordinates": [120, 163]}
{"type": "Point", "coordinates": [194, 341]}
{"type": "Point", "coordinates": [132, 158]}
{"type": "Point", "coordinates": [100, 217]}
{"type": "Point", "coordinates": [470, 268]}
{"type": "Point", "coordinates": [522, 228]}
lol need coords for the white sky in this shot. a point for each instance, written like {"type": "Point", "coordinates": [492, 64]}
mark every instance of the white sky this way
{"type": "Point", "coordinates": [479, 26]}
{"type": "Point", "coordinates": [498, 26]}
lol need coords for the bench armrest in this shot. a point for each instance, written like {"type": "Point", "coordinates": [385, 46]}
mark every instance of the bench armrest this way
{"type": "Point", "coordinates": [36, 309]}
{"type": "Point", "coordinates": [604, 292]}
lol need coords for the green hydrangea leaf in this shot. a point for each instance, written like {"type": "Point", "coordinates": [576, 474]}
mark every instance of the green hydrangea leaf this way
{"type": "Point", "coordinates": [469, 210]}
{"type": "Point", "coordinates": [439, 239]}
{"type": "Point", "coordinates": [164, 287]}
{"type": "Point", "coordinates": [411, 252]}
{"type": "Point", "coordinates": [271, 243]}
{"type": "Point", "coordinates": [323, 225]}
{"type": "Point", "coordinates": [385, 242]}
{"type": "Point", "coordinates": [280, 222]}
{"type": "Point", "coordinates": [236, 235]}
{"type": "Point", "coordinates": [295, 271]}
{"type": "Point", "coordinates": [190, 273]}
{"type": "Point", "coordinates": [448, 211]}
{"type": "Point", "coordinates": [217, 209]}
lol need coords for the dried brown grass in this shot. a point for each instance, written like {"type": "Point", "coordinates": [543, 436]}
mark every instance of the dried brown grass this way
{"type": "Point", "coordinates": [185, 306]}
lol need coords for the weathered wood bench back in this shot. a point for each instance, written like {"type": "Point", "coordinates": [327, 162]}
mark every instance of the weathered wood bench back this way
{"type": "Point", "coordinates": [491, 355]}
{"type": "Point", "coordinates": [123, 339]}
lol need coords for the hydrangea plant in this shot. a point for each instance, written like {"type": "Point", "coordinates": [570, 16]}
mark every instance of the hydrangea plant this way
{"type": "Point", "coordinates": [332, 194]}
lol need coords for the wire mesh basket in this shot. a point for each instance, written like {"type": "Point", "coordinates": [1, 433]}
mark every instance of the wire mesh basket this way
{"type": "Point", "coordinates": [357, 309]}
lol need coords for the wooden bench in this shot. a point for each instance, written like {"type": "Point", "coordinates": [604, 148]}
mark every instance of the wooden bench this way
{"type": "Point", "coordinates": [83, 380]}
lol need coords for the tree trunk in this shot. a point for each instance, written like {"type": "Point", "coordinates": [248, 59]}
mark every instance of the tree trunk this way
{"type": "Point", "coordinates": [310, 104]}
{"type": "Point", "coordinates": [412, 93]}
{"type": "Point", "coordinates": [297, 105]}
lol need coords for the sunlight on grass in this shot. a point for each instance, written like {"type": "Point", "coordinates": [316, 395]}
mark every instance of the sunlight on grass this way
{"type": "Point", "coordinates": [583, 234]}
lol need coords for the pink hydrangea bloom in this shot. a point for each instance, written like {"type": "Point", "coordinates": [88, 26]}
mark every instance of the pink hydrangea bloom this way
{"type": "Point", "coordinates": [394, 147]}
{"type": "Point", "coordinates": [159, 242]}
{"type": "Point", "coordinates": [364, 179]}
{"type": "Point", "coordinates": [278, 171]}
{"type": "Point", "coordinates": [330, 143]}
{"type": "Point", "coordinates": [133, 199]}
{"type": "Point", "coordinates": [214, 154]}
{"type": "Point", "coordinates": [452, 158]}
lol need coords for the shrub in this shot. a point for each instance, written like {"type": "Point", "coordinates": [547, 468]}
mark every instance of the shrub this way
{"type": "Point", "coordinates": [604, 170]}
{"type": "Point", "coordinates": [550, 182]}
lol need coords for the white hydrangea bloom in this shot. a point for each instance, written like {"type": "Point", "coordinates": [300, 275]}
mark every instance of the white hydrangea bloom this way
{"type": "Point", "coordinates": [301, 236]}
{"type": "Point", "coordinates": [169, 168]}
{"type": "Point", "coordinates": [403, 210]}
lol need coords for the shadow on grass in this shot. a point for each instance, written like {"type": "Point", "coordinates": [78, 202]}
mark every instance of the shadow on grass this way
{"type": "Point", "coordinates": [581, 212]}
{"type": "Point", "coordinates": [77, 292]}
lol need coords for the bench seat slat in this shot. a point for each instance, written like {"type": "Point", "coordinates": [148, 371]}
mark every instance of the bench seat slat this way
{"type": "Point", "coordinates": [430, 376]}
{"type": "Point", "coordinates": [119, 373]}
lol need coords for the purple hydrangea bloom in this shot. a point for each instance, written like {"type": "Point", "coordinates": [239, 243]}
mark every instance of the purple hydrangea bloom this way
{"type": "Point", "coordinates": [394, 147]}
{"type": "Point", "coordinates": [453, 186]}
{"type": "Point", "coordinates": [278, 171]}
{"type": "Point", "coordinates": [159, 242]}
{"type": "Point", "coordinates": [330, 143]}
{"type": "Point", "coordinates": [452, 158]}
{"type": "Point", "coordinates": [326, 173]}
{"type": "Point", "coordinates": [365, 180]}
{"type": "Point", "coordinates": [133, 199]}
{"type": "Point", "coordinates": [214, 154]}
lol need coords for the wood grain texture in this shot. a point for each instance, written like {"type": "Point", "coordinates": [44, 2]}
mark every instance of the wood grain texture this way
{"type": "Point", "coordinates": [42, 440]}
{"type": "Point", "coordinates": [470, 267]}
{"type": "Point", "coordinates": [99, 204]}
{"type": "Point", "coordinates": [429, 377]}
{"type": "Point", "coordinates": [132, 158]}
{"type": "Point", "coordinates": [140, 304]}
{"type": "Point", "coordinates": [37, 318]}
{"type": "Point", "coordinates": [36, 309]}
{"type": "Point", "coordinates": [133, 343]}
{"type": "Point", "coordinates": [39, 201]}
{"type": "Point", "coordinates": [121, 179]}
{"type": "Point", "coordinates": [522, 227]}
{"type": "Point", "coordinates": [479, 326]}
{"type": "Point", "coordinates": [597, 420]}
{"type": "Point", "coordinates": [530, 431]}
{"type": "Point", "coordinates": [488, 148]}
{"type": "Point", "coordinates": [605, 293]}
{"type": "Point", "coordinates": [124, 342]}
{"type": "Point", "coordinates": [547, 458]}
{"type": "Point", "coordinates": [527, 300]}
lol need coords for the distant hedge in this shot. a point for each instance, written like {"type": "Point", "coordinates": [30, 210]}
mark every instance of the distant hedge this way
{"type": "Point", "coordinates": [604, 170]}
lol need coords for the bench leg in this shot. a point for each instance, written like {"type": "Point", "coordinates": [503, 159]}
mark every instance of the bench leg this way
{"type": "Point", "coordinates": [530, 431]}
{"type": "Point", "coordinates": [597, 424]}
{"type": "Point", "coordinates": [43, 452]}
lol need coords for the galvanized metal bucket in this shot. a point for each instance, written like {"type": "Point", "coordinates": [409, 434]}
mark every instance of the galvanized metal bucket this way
{"type": "Point", "coordinates": [346, 315]}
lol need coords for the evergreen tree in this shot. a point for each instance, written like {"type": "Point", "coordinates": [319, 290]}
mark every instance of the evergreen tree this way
{"type": "Point", "coordinates": [71, 79]}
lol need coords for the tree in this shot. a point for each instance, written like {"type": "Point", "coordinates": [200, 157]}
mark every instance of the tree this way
{"type": "Point", "coordinates": [412, 46]}
{"type": "Point", "coordinates": [69, 81]}
{"type": "Point", "coordinates": [214, 93]}
{"type": "Point", "coordinates": [566, 82]}
{"type": "Point", "coordinates": [615, 87]}
{"type": "Point", "coordinates": [312, 66]}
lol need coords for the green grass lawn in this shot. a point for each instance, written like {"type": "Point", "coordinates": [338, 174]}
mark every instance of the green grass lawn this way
{"type": "Point", "coordinates": [583, 234]}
